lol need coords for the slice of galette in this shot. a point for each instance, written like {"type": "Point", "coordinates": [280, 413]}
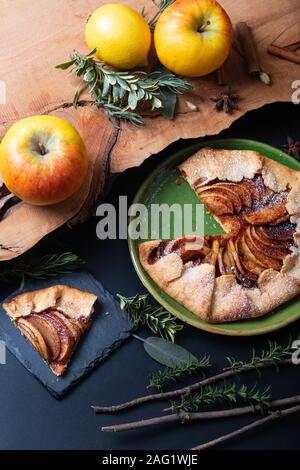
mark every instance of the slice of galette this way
{"type": "Point", "coordinates": [53, 320]}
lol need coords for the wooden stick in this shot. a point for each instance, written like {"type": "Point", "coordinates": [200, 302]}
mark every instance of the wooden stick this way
{"type": "Point", "coordinates": [275, 415]}
{"type": "Point", "coordinates": [185, 417]}
{"type": "Point", "coordinates": [283, 53]}
{"type": "Point", "coordinates": [185, 390]}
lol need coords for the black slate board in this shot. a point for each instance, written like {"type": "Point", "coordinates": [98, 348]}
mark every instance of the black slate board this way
{"type": "Point", "coordinates": [108, 330]}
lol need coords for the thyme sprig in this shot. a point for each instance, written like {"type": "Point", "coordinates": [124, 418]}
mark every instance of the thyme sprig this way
{"type": "Point", "coordinates": [162, 377]}
{"type": "Point", "coordinates": [272, 355]}
{"type": "Point", "coordinates": [42, 268]}
{"type": "Point", "coordinates": [120, 93]}
{"type": "Point", "coordinates": [209, 396]}
{"type": "Point", "coordinates": [142, 312]}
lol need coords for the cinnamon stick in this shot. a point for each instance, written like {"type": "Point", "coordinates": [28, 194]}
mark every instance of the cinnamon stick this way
{"type": "Point", "coordinates": [222, 75]}
{"type": "Point", "coordinates": [250, 53]}
{"type": "Point", "coordinates": [248, 48]}
{"type": "Point", "coordinates": [283, 53]}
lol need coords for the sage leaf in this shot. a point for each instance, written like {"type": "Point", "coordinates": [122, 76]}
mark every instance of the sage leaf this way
{"type": "Point", "coordinates": [65, 65]}
{"type": "Point", "coordinates": [125, 89]}
{"type": "Point", "coordinates": [89, 75]}
{"type": "Point", "coordinates": [168, 100]}
{"type": "Point", "coordinates": [167, 353]}
{"type": "Point", "coordinates": [132, 100]}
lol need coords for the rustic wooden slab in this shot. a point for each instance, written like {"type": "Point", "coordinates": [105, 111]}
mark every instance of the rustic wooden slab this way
{"type": "Point", "coordinates": [37, 37]}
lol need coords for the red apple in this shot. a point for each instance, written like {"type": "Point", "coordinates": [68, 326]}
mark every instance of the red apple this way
{"type": "Point", "coordinates": [43, 160]}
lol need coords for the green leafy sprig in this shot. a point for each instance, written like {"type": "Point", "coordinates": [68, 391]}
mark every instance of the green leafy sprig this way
{"type": "Point", "coordinates": [161, 5]}
{"type": "Point", "coordinates": [120, 93]}
{"type": "Point", "coordinates": [142, 312]}
{"type": "Point", "coordinates": [175, 374]}
{"type": "Point", "coordinates": [45, 267]}
{"type": "Point", "coordinates": [209, 396]}
{"type": "Point", "coordinates": [272, 355]}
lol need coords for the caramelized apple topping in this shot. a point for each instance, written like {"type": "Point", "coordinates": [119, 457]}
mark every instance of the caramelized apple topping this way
{"type": "Point", "coordinates": [52, 333]}
{"type": "Point", "coordinates": [259, 233]}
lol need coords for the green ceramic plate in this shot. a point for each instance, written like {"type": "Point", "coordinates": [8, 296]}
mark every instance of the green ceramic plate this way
{"type": "Point", "coordinates": [160, 188]}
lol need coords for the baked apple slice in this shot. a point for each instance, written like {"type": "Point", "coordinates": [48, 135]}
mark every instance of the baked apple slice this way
{"type": "Point", "coordinates": [53, 320]}
{"type": "Point", "coordinates": [241, 191]}
{"type": "Point", "coordinates": [228, 261]}
{"type": "Point", "coordinates": [252, 188]}
{"type": "Point", "coordinates": [276, 252]}
{"type": "Point", "coordinates": [49, 334]}
{"type": "Point", "coordinates": [261, 235]}
{"type": "Point", "coordinates": [218, 204]}
{"type": "Point", "coordinates": [221, 266]}
{"type": "Point", "coordinates": [73, 326]}
{"type": "Point", "coordinates": [267, 214]}
{"type": "Point", "coordinates": [34, 336]}
{"type": "Point", "coordinates": [283, 232]}
{"type": "Point", "coordinates": [66, 339]}
{"type": "Point", "coordinates": [283, 219]}
{"type": "Point", "coordinates": [223, 190]}
{"type": "Point", "coordinates": [273, 242]}
{"type": "Point", "coordinates": [259, 256]}
{"type": "Point", "coordinates": [247, 259]}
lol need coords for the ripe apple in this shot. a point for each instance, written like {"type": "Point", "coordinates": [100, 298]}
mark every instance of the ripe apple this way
{"type": "Point", "coordinates": [43, 160]}
{"type": "Point", "coordinates": [193, 37]}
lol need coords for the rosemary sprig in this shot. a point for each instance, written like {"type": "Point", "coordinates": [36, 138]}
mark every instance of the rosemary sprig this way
{"type": "Point", "coordinates": [45, 267]}
{"type": "Point", "coordinates": [158, 320]}
{"type": "Point", "coordinates": [161, 5]}
{"type": "Point", "coordinates": [121, 92]}
{"type": "Point", "coordinates": [272, 355]}
{"type": "Point", "coordinates": [185, 391]}
{"type": "Point", "coordinates": [209, 396]}
{"type": "Point", "coordinates": [174, 374]}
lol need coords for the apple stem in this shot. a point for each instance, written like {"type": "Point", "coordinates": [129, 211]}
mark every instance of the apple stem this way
{"type": "Point", "coordinates": [201, 28]}
{"type": "Point", "coordinates": [42, 149]}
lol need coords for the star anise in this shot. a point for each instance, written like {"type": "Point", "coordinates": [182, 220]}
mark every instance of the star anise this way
{"type": "Point", "coordinates": [226, 101]}
{"type": "Point", "coordinates": [292, 148]}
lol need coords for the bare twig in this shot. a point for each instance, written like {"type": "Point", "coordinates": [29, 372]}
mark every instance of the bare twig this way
{"type": "Point", "coordinates": [184, 391]}
{"type": "Point", "coordinates": [184, 417]}
{"type": "Point", "coordinates": [273, 416]}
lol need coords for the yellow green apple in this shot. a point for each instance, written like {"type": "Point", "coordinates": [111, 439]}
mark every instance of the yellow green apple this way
{"type": "Point", "coordinates": [193, 37]}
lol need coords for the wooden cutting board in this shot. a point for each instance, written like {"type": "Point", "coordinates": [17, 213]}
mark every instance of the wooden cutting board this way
{"type": "Point", "coordinates": [38, 35]}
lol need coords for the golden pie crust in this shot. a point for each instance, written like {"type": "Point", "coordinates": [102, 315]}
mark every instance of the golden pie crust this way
{"type": "Point", "coordinates": [255, 266]}
{"type": "Point", "coordinates": [53, 320]}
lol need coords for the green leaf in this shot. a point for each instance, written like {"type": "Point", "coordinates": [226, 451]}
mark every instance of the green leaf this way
{"type": "Point", "coordinates": [89, 75]}
{"type": "Point", "coordinates": [167, 353]}
{"type": "Point", "coordinates": [65, 65]}
{"type": "Point", "coordinates": [106, 86]}
{"type": "Point", "coordinates": [125, 89]}
{"type": "Point", "coordinates": [169, 100]}
{"type": "Point", "coordinates": [132, 100]}
{"type": "Point", "coordinates": [92, 52]}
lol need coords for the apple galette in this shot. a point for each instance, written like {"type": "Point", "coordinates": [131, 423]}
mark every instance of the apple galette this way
{"type": "Point", "coordinates": [53, 320]}
{"type": "Point", "coordinates": [255, 265]}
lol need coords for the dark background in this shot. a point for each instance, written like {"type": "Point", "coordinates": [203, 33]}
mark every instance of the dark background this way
{"type": "Point", "coordinates": [30, 418]}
